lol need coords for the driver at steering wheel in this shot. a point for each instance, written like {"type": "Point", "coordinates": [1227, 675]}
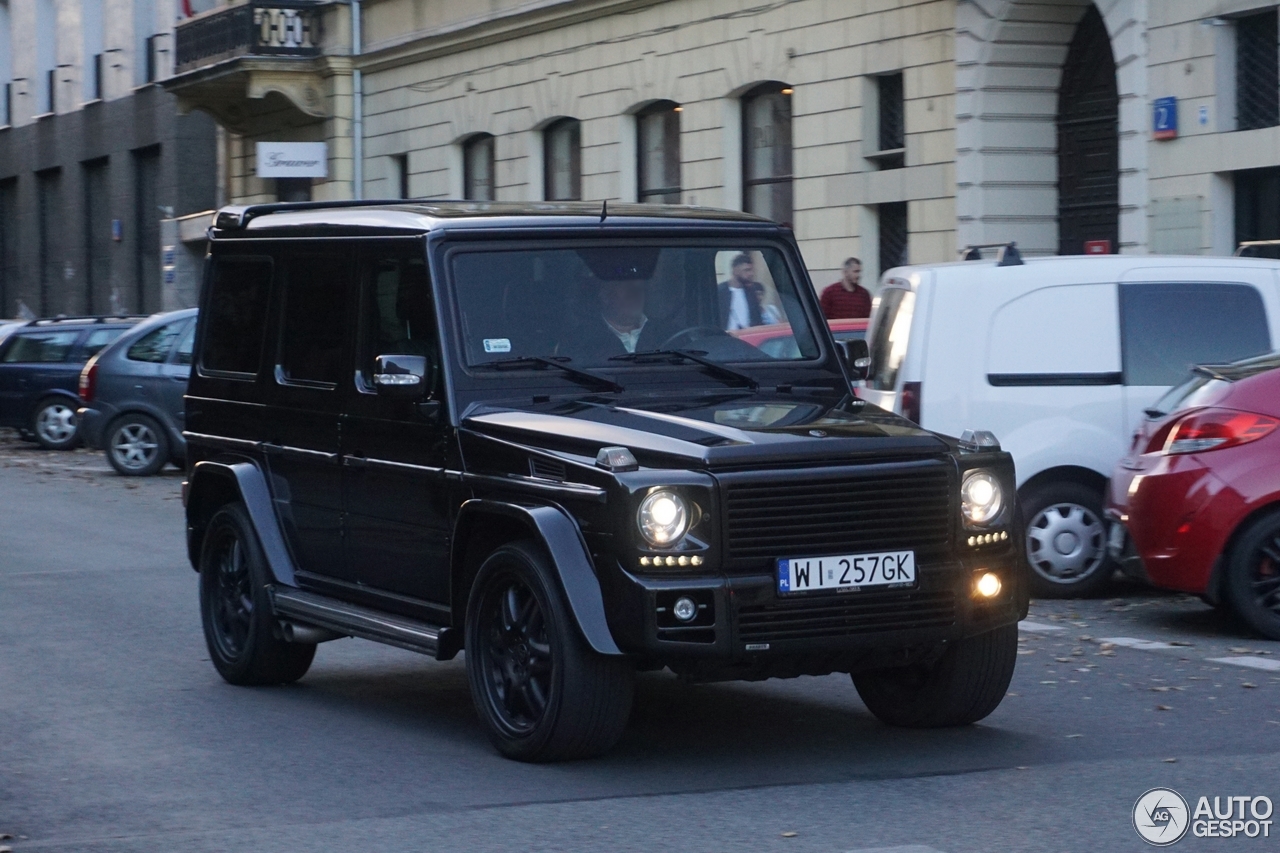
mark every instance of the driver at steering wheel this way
{"type": "Point", "coordinates": [615, 323]}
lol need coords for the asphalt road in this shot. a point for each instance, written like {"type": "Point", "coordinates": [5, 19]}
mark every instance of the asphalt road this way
{"type": "Point", "coordinates": [117, 735]}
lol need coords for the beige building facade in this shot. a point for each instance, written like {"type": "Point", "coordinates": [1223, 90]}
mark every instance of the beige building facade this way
{"type": "Point", "coordinates": [894, 130]}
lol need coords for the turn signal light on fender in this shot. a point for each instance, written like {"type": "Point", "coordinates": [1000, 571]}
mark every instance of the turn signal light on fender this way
{"type": "Point", "coordinates": [1216, 429]}
{"type": "Point", "coordinates": [988, 585]}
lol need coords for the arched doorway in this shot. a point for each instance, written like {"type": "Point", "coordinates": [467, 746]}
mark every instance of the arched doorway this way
{"type": "Point", "coordinates": [1088, 140]}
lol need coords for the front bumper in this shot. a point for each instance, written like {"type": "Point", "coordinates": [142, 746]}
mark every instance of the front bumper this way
{"type": "Point", "coordinates": [745, 626]}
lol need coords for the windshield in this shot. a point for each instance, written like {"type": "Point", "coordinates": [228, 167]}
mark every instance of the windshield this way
{"type": "Point", "coordinates": [888, 335]}
{"type": "Point", "coordinates": [603, 306]}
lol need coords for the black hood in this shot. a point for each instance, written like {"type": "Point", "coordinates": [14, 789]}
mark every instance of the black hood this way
{"type": "Point", "coordinates": [727, 432]}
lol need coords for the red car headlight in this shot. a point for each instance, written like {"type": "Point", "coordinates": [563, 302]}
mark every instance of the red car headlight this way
{"type": "Point", "coordinates": [1215, 429]}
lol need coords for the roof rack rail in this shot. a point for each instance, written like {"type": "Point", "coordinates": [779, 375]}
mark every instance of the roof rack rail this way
{"type": "Point", "coordinates": [86, 318]}
{"type": "Point", "coordinates": [235, 217]}
{"type": "Point", "coordinates": [1007, 256]}
{"type": "Point", "coordinates": [1253, 244]}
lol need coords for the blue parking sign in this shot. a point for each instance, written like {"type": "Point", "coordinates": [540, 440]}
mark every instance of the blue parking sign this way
{"type": "Point", "coordinates": [1165, 118]}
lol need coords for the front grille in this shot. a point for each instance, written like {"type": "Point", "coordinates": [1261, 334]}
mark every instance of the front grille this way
{"type": "Point", "coordinates": [849, 511]}
{"type": "Point", "coordinates": [848, 615]}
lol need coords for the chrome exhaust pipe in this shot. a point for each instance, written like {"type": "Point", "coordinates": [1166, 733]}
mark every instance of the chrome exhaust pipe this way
{"type": "Point", "coordinates": [308, 634]}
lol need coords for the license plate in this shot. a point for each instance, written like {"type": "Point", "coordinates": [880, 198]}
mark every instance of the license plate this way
{"type": "Point", "coordinates": [850, 573]}
{"type": "Point", "coordinates": [1115, 540]}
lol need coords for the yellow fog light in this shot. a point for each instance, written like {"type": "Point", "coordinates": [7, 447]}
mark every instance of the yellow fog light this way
{"type": "Point", "coordinates": [988, 585]}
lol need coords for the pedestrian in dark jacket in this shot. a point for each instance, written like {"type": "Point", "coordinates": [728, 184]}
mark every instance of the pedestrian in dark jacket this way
{"type": "Point", "coordinates": [742, 302]}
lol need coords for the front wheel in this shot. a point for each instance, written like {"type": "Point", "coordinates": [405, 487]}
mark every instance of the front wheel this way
{"type": "Point", "coordinates": [1253, 576]}
{"type": "Point", "coordinates": [963, 686]}
{"type": "Point", "coordinates": [1066, 540]}
{"type": "Point", "coordinates": [542, 692]}
{"type": "Point", "coordinates": [239, 628]}
{"type": "Point", "coordinates": [54, 424]}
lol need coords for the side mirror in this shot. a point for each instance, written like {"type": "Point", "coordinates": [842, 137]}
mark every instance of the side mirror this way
{"type": "Point", "coordinates": [857, 358]}
{"type": "Point", "coordinates": [401, 376]}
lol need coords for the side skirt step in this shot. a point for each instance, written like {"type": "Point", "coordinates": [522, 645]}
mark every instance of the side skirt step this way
{"type": "Point", "coordinates": [356, 621]}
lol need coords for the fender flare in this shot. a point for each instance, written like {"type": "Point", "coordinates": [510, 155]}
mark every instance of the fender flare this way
{"type": "Point", "coordinates": [251, 485]}
{"type": "Point", "coordinates": [559, 534]}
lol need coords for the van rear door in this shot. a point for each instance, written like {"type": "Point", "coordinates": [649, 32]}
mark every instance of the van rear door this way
{"type": "Point", "coordinates": [1173, 318]}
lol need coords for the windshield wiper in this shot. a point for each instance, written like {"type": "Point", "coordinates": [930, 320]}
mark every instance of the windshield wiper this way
{"type": "Point", "coordinates": [697, 357]}
{"type": "Point", "coordinates": [585, 377]}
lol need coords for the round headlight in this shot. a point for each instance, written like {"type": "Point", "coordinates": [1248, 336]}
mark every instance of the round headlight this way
{"type": "Point", "coordinates": [663, 518]}
{"type": "Point", "coordinates": [981, 497]}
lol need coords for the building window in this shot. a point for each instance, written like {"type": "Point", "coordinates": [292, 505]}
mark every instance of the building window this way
{"type": "Point", "coordinates": [146, 228]}
{"type": "Point", "coordinates": [46, 56]}
{"type": "Point", "coordinates": [658, 153]}
{"type": "Point", "coordinates": [1257, 213]}
{"type": "Point", "coordinates": [293, 189]}
{"type": "Point", "coordinates": [766, 152]}
{"type": "Point", "coordinates": [92, 25]}
{"type": "Point", "coordinates": [893, 235]}
{"type": "Point", "coordinates": [6, 71]}
{"type": "Point", "coordinates": [1257, 71]}
{"type": "Point", "coordinates": [562, 160]}
{"type": "Point", "coordinates": [399, 177]}
{"type": "Point", "coordinates": [478, 168]}
{"type": "Point", "coordinates": [891, 136]}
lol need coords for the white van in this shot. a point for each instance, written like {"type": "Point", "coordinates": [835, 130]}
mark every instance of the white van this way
{"type": "Point", "coordinates": [1059, 357]}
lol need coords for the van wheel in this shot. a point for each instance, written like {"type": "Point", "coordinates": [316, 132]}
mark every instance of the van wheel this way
{"type": "Point", "coordinates": [137, 446]}
{"type": "Point", "coordinates": [542, 692]}
{"type": "Point", "coordinates": [54, 424]}
{"type": "Point", "coordinates": [1252, 581]}
{"type": "Point", "coordinates": [963, 686]}
{"type": "Point", "coordinates": [1066, 541]}
{"type": "Point", "coordinates": [239, 628]}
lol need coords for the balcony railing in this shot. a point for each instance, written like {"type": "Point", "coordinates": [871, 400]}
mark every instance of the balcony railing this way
{"type": "Point", "coordinates": [279, 28]}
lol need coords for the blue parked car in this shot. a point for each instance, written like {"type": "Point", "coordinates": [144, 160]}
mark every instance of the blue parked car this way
{"type": "Point", "coordinates": [131, 394]}
{"type": "Point", "coordinates": [40, 364]}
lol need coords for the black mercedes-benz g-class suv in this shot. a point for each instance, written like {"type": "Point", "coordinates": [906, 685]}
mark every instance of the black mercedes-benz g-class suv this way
{"type": "Point", "coordinates": [541, 433]}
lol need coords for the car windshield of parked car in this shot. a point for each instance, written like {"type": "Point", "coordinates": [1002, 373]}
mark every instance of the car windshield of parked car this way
{"type": "Point", "coordinates": [598, 306]}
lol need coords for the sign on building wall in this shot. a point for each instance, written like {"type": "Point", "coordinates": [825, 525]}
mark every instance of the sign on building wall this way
{"type": "Point", "coordinates": [1165, 118]}
{"type": "Point", "coordinates": [292, 160]}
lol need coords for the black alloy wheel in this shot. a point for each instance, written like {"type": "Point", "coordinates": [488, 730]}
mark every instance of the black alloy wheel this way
{"type": "Point", "coordinates": [239, 627]}
{"type": "Point", "coordinates": [542, 691]}
{"type": "Point", "coordinates": [1253, 575]}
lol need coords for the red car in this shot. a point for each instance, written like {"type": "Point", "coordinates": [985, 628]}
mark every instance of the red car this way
{"type": "Point", "coordinates": [1195, 505]}
{"type": "Point", "coordinates": [777, 340]}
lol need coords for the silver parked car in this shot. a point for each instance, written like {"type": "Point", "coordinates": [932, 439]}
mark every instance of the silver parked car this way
{"type": "Point", "coordinates": [131, 394]}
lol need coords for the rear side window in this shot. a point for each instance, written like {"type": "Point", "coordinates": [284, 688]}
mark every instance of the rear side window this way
{"type": "Point", "coordinates": [41, 348]}
{"type": "Point", "coordinates": [98, 340]}
{"type": "Point", "coordinates": [315, 303]}
{"type": "Point", "coordinates": [1168, 328]}
{"type": "Point", "coordinates": [237, 315]}
{"type": "Point", "coordinates": [185, 345]}
{"type": "Point", "coordinates": [154, 346]}
{"type": "Point", "coordinates": [889, 334]}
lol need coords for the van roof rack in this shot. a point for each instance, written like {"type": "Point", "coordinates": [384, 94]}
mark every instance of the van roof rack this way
{"type": "Point", "coordinates": [88, 318]}
{"type": "Point", "coordinates": [234, 217]}
{"type": "Point", "coordinates": [1253, 244]}
{"type": "Point", "coordinates": [1007, 256]}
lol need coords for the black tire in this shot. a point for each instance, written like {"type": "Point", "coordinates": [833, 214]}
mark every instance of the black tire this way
{"type": "Point", "coordinates": [1066, 540]}
{"type": "Point", "coordinates": [136, 445]}
{"type": "Point", "coordinates": [53, 424]}
{"type": "Point", "coordinates": [239, 628]}
{"type": "Point", "coordinates": [542, 692]}
{"type": "Point", "coordinates": [1252, 580]}
{"type": "Point", "coordinates": [965, 685]}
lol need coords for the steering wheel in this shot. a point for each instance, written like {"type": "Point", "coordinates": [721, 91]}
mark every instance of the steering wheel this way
{"type": "Point", "coordinates": [685, 337]}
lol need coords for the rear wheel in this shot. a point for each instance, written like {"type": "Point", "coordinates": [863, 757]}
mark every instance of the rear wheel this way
{"type": "Point", "coordinates": [1253, 576]}
{"type": "Point", "coordinates": [238, 625]}
{"type": "Point", "coordinates": [1066, 540]}
{"type": "Point", "coordinates": [963, 686]}
{"type": "Point", "coordinates": [54, 424]}
{"type": "Point", "coordinates": [542, 692]}
{"type": "Point", "coordinates": [137, 446]}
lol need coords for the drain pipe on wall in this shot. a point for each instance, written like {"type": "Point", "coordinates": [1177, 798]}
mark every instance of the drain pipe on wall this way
{"type": "Point", "coordinates": [357, 108]}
